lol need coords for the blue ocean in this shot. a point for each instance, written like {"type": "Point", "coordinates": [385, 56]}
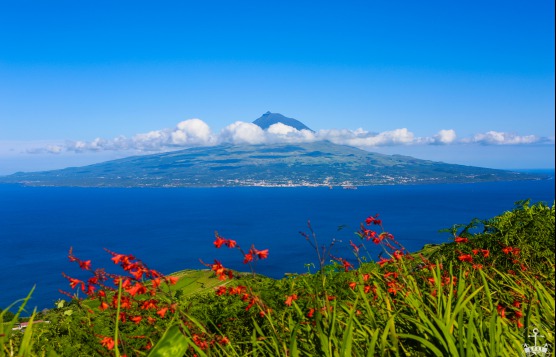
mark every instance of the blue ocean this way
{"type": "Point", "coordinates": [173, 229]}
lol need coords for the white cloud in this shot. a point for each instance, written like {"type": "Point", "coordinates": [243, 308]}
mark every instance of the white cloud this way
{"type": "Point", "coordinates": [445, 137]}
{"type": "Point", "coordinates": [502, 138]}
{"type": "Point", "coordinates": [242, 133]}
{"type": "Point", "coordinates": [195, 132]}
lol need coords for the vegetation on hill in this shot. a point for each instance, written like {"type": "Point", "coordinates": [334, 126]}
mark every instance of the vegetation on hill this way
{"type": "Point", "coordinates": [303, 164]}
{"type": "Point", "coordinates": [486, 292]}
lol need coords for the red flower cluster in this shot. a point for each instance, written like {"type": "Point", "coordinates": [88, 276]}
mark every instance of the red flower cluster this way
{"type": "Point", "coordinates": [140, 292]}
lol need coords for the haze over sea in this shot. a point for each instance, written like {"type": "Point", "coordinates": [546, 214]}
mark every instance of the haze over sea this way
{"type": "Point", "coordinates": [171, 229]}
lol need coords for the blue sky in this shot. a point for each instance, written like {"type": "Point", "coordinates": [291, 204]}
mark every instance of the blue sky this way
{"type": "Point", "coordinates": [462, 82]}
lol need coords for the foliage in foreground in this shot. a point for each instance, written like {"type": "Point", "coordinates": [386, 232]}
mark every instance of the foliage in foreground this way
{"type": "Point", "coordinates": [481, 294]}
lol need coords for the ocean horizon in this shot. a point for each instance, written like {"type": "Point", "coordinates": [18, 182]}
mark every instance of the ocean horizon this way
{"type": "Point", "coordinates": [172, 229]}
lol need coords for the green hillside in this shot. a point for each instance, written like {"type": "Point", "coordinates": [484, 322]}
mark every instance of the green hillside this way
{"type": "Point", "coordinates": [308, 164]}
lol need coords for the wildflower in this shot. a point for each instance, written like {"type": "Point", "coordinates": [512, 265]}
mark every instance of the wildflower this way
{"type": "Point", "coordinates": [461, 240]}
{"type": "Point", "coordinates": [156, 282]}
{"type": "Point", "coordinates": [507, 250]}
{"type": "Point", "coordinates": [247, 258]}
{"type": "Point", "coordinates": [501, 311]}
{"type": "Point", "coordinates": [148, 304]}
{"type": "Point", "coordinates": [85, 265]}
{"type": "Point", "coordinates": [221, 290]}
{"type": "Point", "coordinates": [218, 268]}
{"type": "Point", "coordinates": [485, 252]}
{"type": "Point", "coordinates": [290, 299]}
{"type": "Point", "coordinates": [466, 258]}
{"type": "Point", "coordinates": [219, 241]}
{"type": "Point", "coordinates": [107, 342]}
{"type": "Point", "coordinates": [136, 319]}
{"type": "Point", "coordinates": [230, 243]}
{"type": "Point", "coordinates": [373, 220]}
{"type": "Point", "coordinates": [386, 275]}
{"type": "Point", "coordinates": [75, 282]}
{"type": "Point", "coordinates": [138, 288]}
{"type": "Point", "coordinates": [162, 312]}
{"type": "Point", "coordinates": [137, 273]}
{"type": "Point", "coordinates": [366, 277]}
{"type": "Point", "coordinates": [478, 266]}
{"type": "Point", "coordinates": [311, 313]}
{"type": "Point", "coordinates": [383, 261]}
{"type": "Point", "coordinates": [103, 306]}
{"type": "Point", "coordinates": [353, 285]}
{"type": "Point", "coordinates": [398, 255]}
{"type": "Point", "coordinates": [119, 258]}
{"type": "Point", "coordinates": [172, 280]}
{"type": "Point", "coordinates": [367, 289]}
{"type": "Point", "coordinates": [355, 248]}
{"type": "Point", "coordinates": [475, 251]}
{"type": "Point", "coordinates": [518, 314]}
{"type": "Point", "coordinates": [125, 302]}
{"type": "Point", "coordinates": [262, 254]}
{"type": "Point", "coordinates": [224, 340]}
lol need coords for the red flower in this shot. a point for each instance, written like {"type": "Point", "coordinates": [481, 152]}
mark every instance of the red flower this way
{"type": "Point", "coordinates": [501, 311]}
{"type": "Point", "coordinates": [136, 319]}
{"type": "Point", "coordinates": [162, 312]}
{"type": "Point", "coordinates": [353, 285]}
{"type": "Point", "coordinates": [507, 250]}
{"type": "Point", "coordinates": [398, 255]}
{"type": "Point", "coordinates": [346, 264]}
{"type": "Point", "coordinates": [107, 342]}
{"type": "Point", "coordinates": [219, 241]}
{"type": "Point", "coordinates": [103, 306]}
{"type": "Point", "coordinates": [119, 258]}
{"type": "Point", "coordinates": [85, 265]}
{"type": "Point", "coordinates": [247, 258]}
{"type": "Point", "coordinates": [148, 304]}
{"type": "Point", "coordinates": [231, 243]}
{"type": "Point", "coordinates": [138, 288]}
{"type": "Point", "coordinates": [291, 299]}
{"type": "Point", "coordinates": [221, 290]}
{"type": "Point", "coordinates": [466, 258]}
{"type": "Point", "coordinates": [311, 313]}
{"type": "Point", "coordinates": [75, 282]}
{"type": "Point", "coordinates": [262, 254]}
{"type": "Point", "coordinates": [355, 248]}
{"type": "Point", "coordinates": [461, 240]}
{"type": "Point", "coordinates": [485, 252]}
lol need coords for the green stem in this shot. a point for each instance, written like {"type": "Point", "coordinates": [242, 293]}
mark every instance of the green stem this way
{"type": "Point", "coordinates": [117, 351]}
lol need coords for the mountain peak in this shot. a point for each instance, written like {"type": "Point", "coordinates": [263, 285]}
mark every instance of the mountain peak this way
{"type": "Point", "coordinates": [268, 119]}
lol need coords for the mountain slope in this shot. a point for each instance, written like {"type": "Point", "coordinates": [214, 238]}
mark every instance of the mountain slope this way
{"type": "Point", "coordinates": [308, 164]}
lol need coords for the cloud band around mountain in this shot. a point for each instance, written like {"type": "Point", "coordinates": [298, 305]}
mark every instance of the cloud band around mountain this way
{"type": "Point", "coordinates": [195, 132]}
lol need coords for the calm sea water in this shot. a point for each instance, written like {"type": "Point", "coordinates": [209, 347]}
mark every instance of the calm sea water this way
{"type": "Point", "coordinates": [171, 229]}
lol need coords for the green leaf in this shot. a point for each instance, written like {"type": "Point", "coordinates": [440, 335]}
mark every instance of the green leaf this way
{"type": "Point", "coordinates": [173, 343]}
